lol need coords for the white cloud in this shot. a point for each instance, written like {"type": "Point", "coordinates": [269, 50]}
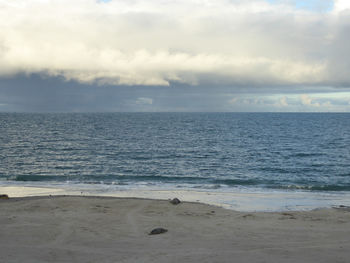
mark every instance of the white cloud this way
{"type": "Point", "coordinates": [282, 102]}
{"type": "Point", "coordinates": [307, 101]}
{"type": "Point", "coordinates": [341, 5]}
{"type": "Point", "coordinates": [233, 101]}
{"type": "Point", "coordinates": [144, 101]}
{"type": "Point", "coordinates": [317, 102]}
{"type": "Point", "coordinates": [158, 41]}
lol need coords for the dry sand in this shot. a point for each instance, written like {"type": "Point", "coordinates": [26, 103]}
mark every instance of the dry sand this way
{"type": "Point", "coordinates": [103, 229]}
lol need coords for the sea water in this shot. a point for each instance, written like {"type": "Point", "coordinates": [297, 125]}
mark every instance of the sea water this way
{"type": "Point", "coordinates": [261, 161]}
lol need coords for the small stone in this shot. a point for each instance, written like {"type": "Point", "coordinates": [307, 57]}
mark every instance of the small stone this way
{"type": "Point", "coordinates": [175, 201]}
{"type": "Point", "coordinates": [158, 230]}
{"type": "Point", "coordinates": [4, 197]}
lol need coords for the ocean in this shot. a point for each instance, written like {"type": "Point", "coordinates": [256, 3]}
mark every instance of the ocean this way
{"type": "Point", "coordinates": [300, 154]}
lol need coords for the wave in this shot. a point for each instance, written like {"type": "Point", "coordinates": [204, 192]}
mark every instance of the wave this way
{"type": "Point", "coordinates": [193, 182]}
{"type": "Point", "coordinates": [328, 187]}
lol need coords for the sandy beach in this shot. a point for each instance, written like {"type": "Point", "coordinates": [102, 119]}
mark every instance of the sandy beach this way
{"type": "Point", "coordinates": [105, 229]}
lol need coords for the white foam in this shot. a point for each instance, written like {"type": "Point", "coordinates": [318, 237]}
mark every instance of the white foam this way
{"type": "Point", "coordinates": [240, 199]}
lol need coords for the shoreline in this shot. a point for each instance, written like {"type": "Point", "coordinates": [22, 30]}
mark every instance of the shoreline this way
{"type": "Point", "coordinates": [246, 200]}
{"type": "Point", "coordinates": [112, 229]}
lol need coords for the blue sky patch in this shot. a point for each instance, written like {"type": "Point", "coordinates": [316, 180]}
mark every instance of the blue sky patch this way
{"type": "Point", "coordinates": [311, 5]}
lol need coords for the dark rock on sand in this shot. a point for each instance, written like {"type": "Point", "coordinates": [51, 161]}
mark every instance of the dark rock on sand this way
{"type": "Point", "coordinates": [158, 230]}
{"type": "Point", "coordinates": [4, 197]}
{"type": "Point", "coordinates": [175, 201]}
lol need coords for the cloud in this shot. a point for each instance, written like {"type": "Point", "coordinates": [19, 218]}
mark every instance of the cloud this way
{"type": "Point", "coordinates": [144, 101]}
{"type": "Point", "coordinates": [317, 102]}
{"type": "Point", "coordinates": [160, 42]}
{"type": "Point", "coordinates": [341, 5]}
{"type": "Point", "coordinates": [282, 102]}
{"type": "Point", "coordinates": [233, 101]}
{"type": "Point", "coordinates": [306, 100]}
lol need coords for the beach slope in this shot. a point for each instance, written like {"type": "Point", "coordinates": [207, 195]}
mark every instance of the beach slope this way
{"type": "Point", "coordinates": [104, 229]}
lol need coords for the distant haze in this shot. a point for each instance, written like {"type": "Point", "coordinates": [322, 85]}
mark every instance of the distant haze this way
{"type": "Point", "coordinates": [183, 55]}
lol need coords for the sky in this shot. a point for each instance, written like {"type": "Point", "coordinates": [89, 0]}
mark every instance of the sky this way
{"type": "Point", "coordinates": [178, 55]}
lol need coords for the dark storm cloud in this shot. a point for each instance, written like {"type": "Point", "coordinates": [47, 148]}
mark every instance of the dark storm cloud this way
{"type": "Point", "coordinates": [185, 55]}
{"type": "Point", "coordinates": [156, 43]}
